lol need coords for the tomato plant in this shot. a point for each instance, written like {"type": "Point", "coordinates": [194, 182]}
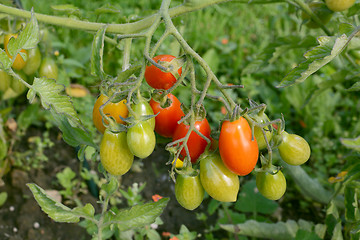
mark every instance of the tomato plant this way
{"type": "Point", "coordinates": [158, 79]}
{"type": "Point", "coordinates": [188, 191]}
{"type": "Point", "coordinates": [218, 181]}
{"type": "Point", "coordinates": [321, 11]}
{"type": "Point", "coordinates": [294, 149]}
{"type": "Point", "coordinates": [115, 154]}
{"type": "Point", "coordinates": [196, 144]}
{"type": "Point", "coordinates": [33, 62]}
{"type": "Point", "coordinates": [238, 149]}
{"type": "Point", "coordinates": [141, 139]}
{"type": "Point", "coordinates": [262, 118]}
{"type": "Point", "coordinates": [271, 186]}
{"type": "Point", "coordinates": [5, 81]}
{"type": "Point", "coordinates": [339, 5]}
{"type": "Point", "coordinates": [49, 68]}
{"type": "Point", "coordinates": [19, 62]}
{"type": "Point", "coordinates": [111, 109]}
{"type": "Point", "coordinates": [167, 117]}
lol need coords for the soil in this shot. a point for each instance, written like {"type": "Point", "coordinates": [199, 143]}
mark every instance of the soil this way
{"type": "Point", "coordinates": [22, 218]}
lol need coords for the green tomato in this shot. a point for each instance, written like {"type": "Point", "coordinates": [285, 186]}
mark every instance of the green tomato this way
{"type": "Point", "coordinates": [33, 62]}
{"type": "Point", "coordinates": [294, 149]}
{"type": "Point", "coordinates": [321, 11]}
{"type": "Point", "coordinates": [218, 181]}
{"type": "Point", "coordinates": [5, 80]}
{"type": "Point", "coordinates": [339, 5]}
{"type": "Point", "coordinates": [271, 186]}
{"type": "Point", "coordinates": [18, 86]}
{"type": "Point", "coordinates": [141, 139]}
{"type": "Point", "coordinates": [115, 155]}
{"type": "Point", "coordinates": [49, 69]}
{"type": "Point", "coordinates": [259, 136]}
{"type": "Point", "coordinates": [143, 108]}
{"type": "Point", "coordinates": [188, 191]}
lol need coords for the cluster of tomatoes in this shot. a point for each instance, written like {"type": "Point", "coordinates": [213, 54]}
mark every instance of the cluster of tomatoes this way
{"type": "Point", "coordinates": [234, 154]}
{"type": "Point", "coordinates": [324, 11]}
{"type": "Point", "coordinates": [25, 68]}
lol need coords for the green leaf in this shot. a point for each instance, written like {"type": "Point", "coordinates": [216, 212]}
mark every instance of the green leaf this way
{"type": "Point", "coordinates": [87, 210]}
{"type": "Point", "coordinates": [28, 38]}
{"type": "Point", "coordinates": [55, 210]}
{"type": "Point", "coordinates": [51, 97]}
{"type": "Point", "coordinates": [213, 206]}
{"type": "Point", "coordinates": [68, 8]}
{"type": "Point", "coordinates": [329, 48]}
{"type": "Point", "coordinates": [353, 143]}
{"type": "Point", "coordinates": [3, 197]}
{"type": "Point", "coordinates": [125, 75]}
{"type": "Point", "coordinates": [305, 235]}
{"type": "Point", "coordinates": [28, 116]}
{"type": "Point", "coordinates": [250, 200]}
{"type": "Point", "coordinates": [5, 61]}
{"type": "Point", "coordinates": [337, 233]}
{"type": "Point", "coordinates": [355, 87]}
{"type": "Point", "coordinates": [351, 194]}
{"type": "Point", "coordinates": [111, 186]}
{"type": "Point", "coordinates": [212, 58]}
{"type": "Point", "coordinates": [139, 215]}
{"type": "Point", "coordinates": [97, 53]}
{"type": "Point", "coordinates": [72, 135]}
{"type": "Point", "coordinates": [107, 9]}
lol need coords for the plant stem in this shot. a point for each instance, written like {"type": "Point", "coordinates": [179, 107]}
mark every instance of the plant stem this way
{"type": "Point", "coordinates": [126, 28]}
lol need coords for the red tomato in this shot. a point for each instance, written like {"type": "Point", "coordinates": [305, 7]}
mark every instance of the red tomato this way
{"type": "Point", "coordinates": [158, 79]}
{"type": "Point", "coordinates": [195, 143]}
{"type": "Point", "coordinates": [166, 120]}
{"type": "Point", "coordinates": [237, 149]}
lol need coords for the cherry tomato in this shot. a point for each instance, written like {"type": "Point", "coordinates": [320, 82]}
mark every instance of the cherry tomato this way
{"type": "Point", "coordinates": [158, 79]}
{"type": "Point", "coordinates": [49, 69]}
{"type": "Point", "coordinates": [238, 150]}
{"type": "Point", "coordinates": [166, 120]}
{"type": "Point", "coordinates": [19, 62]}
{"type": "Point", "coordinates": [271, 186]}
{"type": "Point", "coordinates": [339, 5]}
{"type": "Point", "coordinates": [111, 109]}
{"type": "Point", "coordinates": [196, 144]}
{"type": "Point", "coordinates": [188, 191]}
{"type": "Point", "coordinates": [259, 136]}
{"type": "Point", "coordinates": [321, 11]}
{"type": "Point", "coordinates": [218, 181]}
{"type": "Point", "coordinates": [141, 139]}
{"type": "Point", "coordinates": [33, 62]}
{"type": "Point", "coordinates": [143, 108]}
{"type": "Point", "coordinates": [5, 80]}
{"type": "Point", "coordinates": [294, 149]}
{"type": "Point", "coordinates": [115, 155]}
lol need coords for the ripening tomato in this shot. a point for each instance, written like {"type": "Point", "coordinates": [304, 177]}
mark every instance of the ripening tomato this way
{"type": "Point", "coordinates": [49, 69]}
{"type": "Point", "coordinates": [111, 109]}
{"type": "Point", "coordinates": [141, 139]}
{"type": "Point", "coordinates": [19, 62]}
{"type": "Point", "coordinates": [158, 79]}
{"type": "Point", "coordinates": [167, 118]}
{"type": "Point", "coordinates": [271, 186]}
{"type": "Point", "coordinates": [321, 11]}
{"type": "Point", "coordinates": [33, 62]}
{"type": "Point", "coordinates": [339, 5]}
{"type": "Point", "coordinates": [196, 144]}
{"type": "Point", "coordinates": [188, 191]}
{"type": "Point", "coordinates": [115, 154]}
{"type": "Point", "coordinates": [218, 181]}
{"type": "Point", "coordinates": [259, 136]}
{"type": "Point", "coordinates": [238, 150]}
{"type": "Point", "coordinates": [143, 108]}
{"type": "Point", "coordinates": [294, 149]}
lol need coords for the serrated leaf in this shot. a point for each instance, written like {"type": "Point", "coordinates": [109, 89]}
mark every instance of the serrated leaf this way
{"type": "Point", "coordinates": [355, 87]}
{"type": "Point", "coordinates": [97, 52]}
{"type": "Point", "coordinates": [55, 210]}
{"type": "Point", "coordinates": [72, 135]}
{"type": "Point", "coordinates": [51, 97]}
{"type": "Point", "coordinates": [87, 210]}
{"type": "Point", "coordinates": [5, 61]}
{"type": "Point", "coordinates": [28, 38]}
{"type": "Point", "coordinates": [353, 143]}
{"type": "Point", "coordinates": [139, 215]}
{"type": "Point", "coordinates": [329, 48]}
